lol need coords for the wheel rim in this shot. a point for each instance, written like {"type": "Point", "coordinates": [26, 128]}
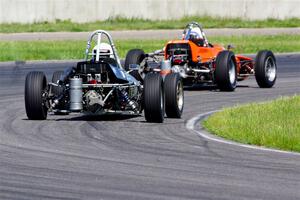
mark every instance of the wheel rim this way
{"type": "Point", "coordinates": [270, 69]}
{"type": "Point", "coordinates": [179, 95]}
{"type": "Point", "coordinates": [232, 72]}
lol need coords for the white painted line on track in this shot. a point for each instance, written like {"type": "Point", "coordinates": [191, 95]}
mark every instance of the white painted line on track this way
{"type": "Point", "coordinates": [190, 125]}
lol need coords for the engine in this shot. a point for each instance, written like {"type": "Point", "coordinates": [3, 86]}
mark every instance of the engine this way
{"type": "Point", "coordinates": [192, 71]}
{"type": "Point", "coordinates": [179, 54]}
{"type": "Point", "coordinates": [94, 88]}
{"type": "Point", "coordinates": [94, 101]}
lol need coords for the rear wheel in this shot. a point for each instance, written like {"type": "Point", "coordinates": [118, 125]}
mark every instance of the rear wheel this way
{"type": "Point", "coordinates": [36, 96]}
{"type": "Point", "coordinates": [134, 56]}
{"type": "Point", "coordinates": [265, 69]}
{"type": "Point", "coordinates": [154, 102]}
{"type": "Point", "coordinates": [225, 73]}
{"type": "Point", "coordinates": [174, 95]}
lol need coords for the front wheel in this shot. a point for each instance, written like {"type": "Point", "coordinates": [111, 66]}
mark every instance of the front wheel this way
{"type": "Point", "coordinates": [265, 69]}
{"type": "Point", "coordinates": [225, 73]}
{"type": "Point", "coordinates": [174, 95]}
{"type": "Point", "coordinates": [154, 101]}
{"type": "Point", "coordinates": [36, 104]}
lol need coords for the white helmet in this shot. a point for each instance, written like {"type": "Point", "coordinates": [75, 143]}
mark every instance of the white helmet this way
{"type": "Point", "coordinates": [105, 51]}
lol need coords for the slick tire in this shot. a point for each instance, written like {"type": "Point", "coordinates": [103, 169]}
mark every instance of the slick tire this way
{"type": "Point", "coordinates": [35, 101]}
{"type": "Point", "coordinates": [226, 72]}
{"type": "Point", "coordinates": [134, 56]}
{"type": "Point", "coordinates": [174, 95]}
{"type": "Point", "coordinates": [265, 69]}
{"type": "Point", "coordinates": [154, 102]}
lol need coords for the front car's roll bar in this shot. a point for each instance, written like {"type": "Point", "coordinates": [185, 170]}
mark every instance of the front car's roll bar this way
{"type": "Point", "coordinates": [99, 34]}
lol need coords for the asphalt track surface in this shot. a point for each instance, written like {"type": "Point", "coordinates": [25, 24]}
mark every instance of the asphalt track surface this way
{"type": "Point", "coordinates": [78, 157]}
{"type": "Point", "coordinates": [146, 34]}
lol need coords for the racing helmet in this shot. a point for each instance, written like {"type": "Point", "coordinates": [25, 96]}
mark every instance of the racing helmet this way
{"type": "Point", "coordinates": [105, 51]}
{"type": "Point", "coordinates": [196, 36]}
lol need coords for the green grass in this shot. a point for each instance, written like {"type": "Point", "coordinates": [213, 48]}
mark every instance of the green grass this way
{"type": "Point", "coordinates": [273, 124]}
{"type": "Point", "coordinates": [59, 50]}
{"type": "Point", "coordinates": [120, 23]}
{"type": "Point", "coordinates": [64, 50]}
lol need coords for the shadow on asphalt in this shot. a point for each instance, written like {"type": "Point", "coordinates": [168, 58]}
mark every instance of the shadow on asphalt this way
{"type": "Point", "coordinates": [199, 87]}
{"type": "Point", "coordinates": [112, 117]}
{"type": "Point", "coordinates": [208, 88]}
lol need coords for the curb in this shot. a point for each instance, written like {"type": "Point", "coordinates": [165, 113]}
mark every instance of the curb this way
{"type": "Point", "coordinates": [190, 125]}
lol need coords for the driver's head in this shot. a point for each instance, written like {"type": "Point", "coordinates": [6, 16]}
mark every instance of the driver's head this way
{"type": "Point", "coordinates": [105, 51]}
{"type": "Point", "coordinates": [196, 37]}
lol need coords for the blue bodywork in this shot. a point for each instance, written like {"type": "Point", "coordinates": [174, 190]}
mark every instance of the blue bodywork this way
{"type": "Point", "coordinates": [117, 73]}
{"type": "Point", "coordinates": [122, 74]}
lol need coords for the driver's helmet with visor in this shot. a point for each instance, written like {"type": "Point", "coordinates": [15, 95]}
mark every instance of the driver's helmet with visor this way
{"type": "Point", "coordinates": [194, 34]}
{"type": "Point", "coordinates": [105, 51]}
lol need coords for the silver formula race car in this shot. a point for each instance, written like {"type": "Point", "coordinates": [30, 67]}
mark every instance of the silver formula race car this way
{"type": "Point", "coordinates": [99, 85]}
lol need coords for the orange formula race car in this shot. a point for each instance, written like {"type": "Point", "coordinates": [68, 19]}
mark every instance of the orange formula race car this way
{"type": "Point", "coordinates": [200, 62]}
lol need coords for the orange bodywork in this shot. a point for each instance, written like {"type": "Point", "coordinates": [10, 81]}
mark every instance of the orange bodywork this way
{"type": "Point", "coordinates": [209, 54]}
{"type": "Point", "coordinates": [244, 65]}
{"type": "Point", "coordinates": [205, 53]}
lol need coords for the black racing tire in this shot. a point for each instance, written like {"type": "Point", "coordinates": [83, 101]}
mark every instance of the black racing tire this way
{"type": "Point", "coordinates": [35, 103]}
{"type": "Point", "coordinates": [265, 69]}
{"type": "Point", "coordinates": [154, 102]}
{"type": "Point", "coordinates": [174, 96]}
{"type": "Point", "coordinates": [57, 90]}
{"type": "Point", "coordinates": [226, 71]}
{"type": "Point", "coordinates": [134, 56]}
